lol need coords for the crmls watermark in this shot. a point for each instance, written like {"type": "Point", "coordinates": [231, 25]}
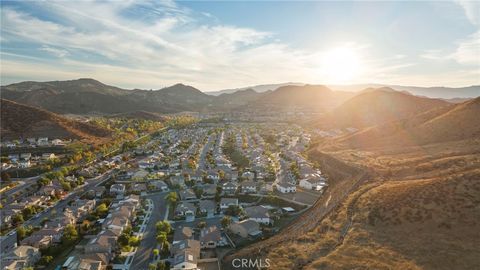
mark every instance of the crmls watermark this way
{"type": "Point", "coordinates": [245, 263]}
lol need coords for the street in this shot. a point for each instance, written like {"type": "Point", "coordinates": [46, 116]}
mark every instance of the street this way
{"type": "Point", "coordinates": [144, 252]}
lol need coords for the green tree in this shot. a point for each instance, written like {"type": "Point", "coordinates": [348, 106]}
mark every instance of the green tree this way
{"type": "Point", "coordinates": [101, 210]}
{"type": "Point", "coordinates": [161, 265]}
{"type": "Point", "coordinates": [45, 260]}
{"type": "Point", "coordinates": [70, 234]}
{"type": "Point", "coordinates": [17, 219]}
{"type": "Point", "coordinates": [226, 221]}
{"type": "Point", "coordinates": [123, 239]}
{"type": "Point", "coordinates": [233, 210]}
{"type": "Point", "coordinates": [172, 199]}
{"type": "Point", "coordinates": [163, 226]}
{"type": "Point", "coordinates": [152, 266]}
{"type": "Point", "coordinates": [5, 177]}
{"type": "Point", "coordinates": [162, 238]}
{"type": "Point", "coordinates": [21, 233]}
{"type": "Point", "coordinates": [156, 252]}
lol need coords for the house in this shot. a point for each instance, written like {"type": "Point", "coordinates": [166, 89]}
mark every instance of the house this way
{"type": "Point", "coordinates": [209, 190]}
{"type": "Point", "coordinates": [259, 214]}
{"type": "Point", "coordinates": [13, 157]}
{"type": "Point", "coordinates": [313, 183]}
{"type": "Point", "coordinates": [248, 175]}
{"type": "Point", "coordinates": [97, 191]}
{"type": "Point", "coordinates": [210, 237]}
{"type": "Point", "coordinates": [226, 202]}
{"type": "Point", "coordinates": [104, 242]}
{"type": "Point", "coordinates": [22, 255]}
{"type": "Point", "coordinates": [158, 185]}
{"type": "Point", "coordinates": [48, 156]}
{"type": "Point", "coordinates": [207, 207]}
{"type": "Point", "coordinates": [177, 180]}
{"type": "Point", "coordinates": [284, 187]}
{"type": "Point", "coordinates": [139, 187]}
{"type": "Point", "coordinates": [139, 175]}
{"type": "Point", "coordinates": [58, 142]}
{"type": "Point", "coordinates": [182, 233]}
{"type": "Point", "coordinates": [117, 189]}
{"type": "Point", "coordinates": [185, 209]}
{"type": "Point", "coordinates": [248, 187]}
{"type": "Point", "coordinates": [37, 241]}
{"type": "Point", "coordinates": [187, 258]}
{"type": "Point", "coordinates": [246, 228]}
{"type": "Point", "coordinates": [23, 164]}
{"type": "Point", "coordinates": [213, 175]}
{"type": "Point", "coordinates": [197, 176]}
{"type": "Point", "coordinates": [187, 195]}
{"type": "Point", "coordinates": [184, 244]}
{"type": "Point", "coordinates": [25, 156]}
{"type": "Point", "coordinates": [229, 188]}
{"type": "Point", "coordinates": [42, 141]}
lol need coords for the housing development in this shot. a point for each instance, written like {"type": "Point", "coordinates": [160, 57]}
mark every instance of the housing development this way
{"type": "Point", "coordinates": [182, 197]}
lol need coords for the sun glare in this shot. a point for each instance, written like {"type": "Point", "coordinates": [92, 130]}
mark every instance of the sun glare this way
{"type": "Point", "coordinates": [341, 65]}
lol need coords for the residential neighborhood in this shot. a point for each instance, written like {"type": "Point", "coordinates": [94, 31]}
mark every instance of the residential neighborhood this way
{"type": "Point", "coordinates": [217, 186]}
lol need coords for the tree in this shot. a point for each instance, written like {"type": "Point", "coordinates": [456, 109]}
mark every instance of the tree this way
{"type": "Point", "coordinates": [45, 260]}
{"type": "Point", "coordinates": [17, 219]}
{"type": "Point", "coordinates": [156, 252]}
{"type": "Point", "coordinates": [161, 265]}
{"type": "Point", "coordinates": [133, 241]}
{"type": "Point", "coordinates": [21, 232]}
{"type": "Point", "coordinates": [123, 239]}
{"type": "Point", "coordinates": [101, 210]}
{"type": "Point", "coordinates": [226, 221]}
{"type": "Point", "coordinates": [5, 177]}
{"type": "Point", "coordinates": [233, 210]}
{"type": "Point", "coordinates": [163, 226]}
{"type": "Point", "coordinates": [70, 234]}
{"type": "Point", "coordinates": [172, 198]}
{"type": "Point", "coordinates": [152, 267]}
{"type": "Point", "coordinates": [202, 224]}
{"type": "Point", "coordinates": [162, 238]}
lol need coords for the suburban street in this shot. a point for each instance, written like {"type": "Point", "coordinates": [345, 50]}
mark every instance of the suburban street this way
{"type": "Point", "coordinates": [149, 242]}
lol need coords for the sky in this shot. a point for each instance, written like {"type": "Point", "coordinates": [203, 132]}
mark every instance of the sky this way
{"type": "Point", "coordinates": [228, 44]}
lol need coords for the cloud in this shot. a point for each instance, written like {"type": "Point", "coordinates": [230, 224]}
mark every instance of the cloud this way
{"type": "Point", "coordinates": [55, 51]}
{"type": "Point", "coordinates": [467, 52]}
{"type": "Point", "coordinates": [150, 44]}
{"type": "Point", "coordinates": [472, 10]}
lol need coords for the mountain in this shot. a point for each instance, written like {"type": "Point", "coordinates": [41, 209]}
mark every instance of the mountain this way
{"type": "Point", "coordinates": [310, 97]}
{"type": "Point", "coordinates": [375, 106]}
{"type": "Point", "coordinates": [238, 98]}
{"type": "Point", "coordinates": [432, 92]}
{"type": "Point", "coordinates": [20, 120]}
{"type": "Point", "coordinates": [257, 88]}
{"type": "Point", "coordinates": [443, 124]}
{"type": "Point", "coordinates": [85, 96]}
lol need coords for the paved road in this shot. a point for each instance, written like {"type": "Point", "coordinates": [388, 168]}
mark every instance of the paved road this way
{"type": "Point", "coordinates": [58, 207]}
{"type": "Point", "coordinates": [143, 256]}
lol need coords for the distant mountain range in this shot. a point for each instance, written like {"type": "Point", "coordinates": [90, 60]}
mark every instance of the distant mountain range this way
{"type": "Point", "coordinates": [449, 93]}
{"type": "Point", "coordinates": [88, 96]}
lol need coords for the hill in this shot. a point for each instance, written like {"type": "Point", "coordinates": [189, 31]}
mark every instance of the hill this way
{"type": "Point", "coordinates": [141, 115]}
{"type": "Point", "coordinates": [431, 92]}
{"type": "Point", "coordinates": [84, 96]}
{"type": "Point", "coordinates": [18, 120]}
{"type": "Point", "coordinates": [257, 88]}
{"type": "Point", "coordinates": [447, 123]}
{"type": "Point", "coordinates": [376, 106]}
{"type": "Point", "coordinates": [309, 97]}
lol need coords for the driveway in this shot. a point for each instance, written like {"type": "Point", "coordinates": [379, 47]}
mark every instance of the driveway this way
{"type": "Point", "coordinates": [144, 252]}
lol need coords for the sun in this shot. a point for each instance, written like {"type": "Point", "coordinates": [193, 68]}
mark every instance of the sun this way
{"type": "Point", "coordinates": [341, 65]}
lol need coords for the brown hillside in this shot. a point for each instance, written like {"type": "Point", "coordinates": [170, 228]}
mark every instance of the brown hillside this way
{"type": "Point", "coordinates": [18, 120]}
{"type": "Point", "coordinates": [377, 106]}
{"type": "Point", "coordinates": [448, 123]}
{"type": "Point", "coordinates": [312, 97]}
